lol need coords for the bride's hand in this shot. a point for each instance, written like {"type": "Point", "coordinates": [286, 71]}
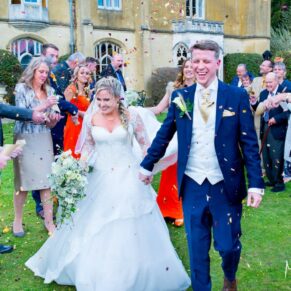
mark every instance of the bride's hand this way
{"type": "Point", "coordinates": [145, 179]}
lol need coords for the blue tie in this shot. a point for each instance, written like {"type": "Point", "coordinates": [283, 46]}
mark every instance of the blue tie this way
{"type": "Point", "coordinates": [120, 78]}
{"type": "Point", "coordinates": [266, 116]}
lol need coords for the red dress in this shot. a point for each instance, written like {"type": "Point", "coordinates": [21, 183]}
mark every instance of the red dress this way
{"type": "Point", "coordinates": [72, 131]}
{"type": "Point", "coordinates": [167, 199]}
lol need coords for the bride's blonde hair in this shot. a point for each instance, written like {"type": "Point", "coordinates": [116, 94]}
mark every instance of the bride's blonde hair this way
{"type": "Point", "coordinates": [114, 87]}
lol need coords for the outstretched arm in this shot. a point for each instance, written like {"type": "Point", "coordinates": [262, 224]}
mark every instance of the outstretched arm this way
{"type": "Point", "coordinates": [160, 143]}
{"type": "Point", "coordinates": [250, 149]}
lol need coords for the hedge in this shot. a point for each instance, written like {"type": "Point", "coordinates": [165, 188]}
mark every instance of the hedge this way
{"type": "Point", "coordinates": [158, 83]}
{"type": "Point", "coordinates": [63, 57]}
{"type": "Point", "coordinates": [231, 61]}
{"type": "Point", "coordinates": [10, 72]}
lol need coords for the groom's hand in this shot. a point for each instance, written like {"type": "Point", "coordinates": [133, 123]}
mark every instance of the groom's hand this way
{"type": "Point", "coordinates": [254, 199]}
{"type": "Point", "coordinates": [145, 179]}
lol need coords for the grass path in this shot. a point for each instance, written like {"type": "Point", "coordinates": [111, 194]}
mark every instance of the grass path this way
{"type": "Point", "coordinates": [266, 243]}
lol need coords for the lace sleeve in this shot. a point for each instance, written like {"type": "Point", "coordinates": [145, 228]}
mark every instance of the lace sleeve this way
{"type": "Point", "coordinates": [87, 148]}
{"type": "Point", "coordinates": [139, 131]}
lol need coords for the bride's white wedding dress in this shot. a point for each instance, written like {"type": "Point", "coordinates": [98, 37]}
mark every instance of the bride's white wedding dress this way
{"type": "Point", "coordinates": [118, 240]}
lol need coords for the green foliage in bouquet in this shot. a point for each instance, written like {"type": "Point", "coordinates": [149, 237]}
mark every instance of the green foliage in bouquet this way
{"type": "Point", "coordinates": [134, 98]}
{"type": "Point", "coordinates": [10, 72]}
{"type": "Point", "coordinates": [68, 181]}
{"type": "Point", "coordinates": [231, 61]}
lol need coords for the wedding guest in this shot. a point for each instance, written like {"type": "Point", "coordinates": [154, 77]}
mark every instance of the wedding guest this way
{"type": "Point", "coordinates": [114, 70]}
{"type": "Point", "coordinates": [62, 75]}
{"type": "Point", "coordinates": [78, 93]}
{"type": "Point", "coordinates": [92, 65]}
{"type": "Point", "coordinates": [282, 100]}
{"type": "Point", "coordinates": [168, 200]}
{"type": "Point", "coordinates": [33, 166]}
{"type": "Point", "coordinates": [214, 146]}
{"type": "Point", "coordinates": [246, 81]}
{"type": "Point", "coordinates": [258, 85]}
{"type": "Point", "coordinates": [51, 53]}
{"type": "Point", "coordinates": [63, 71]}
{"type": "Point", "coordinates": [118, 224]}
{"type": "Point", "coordinates": [280, 71]}
{"type": "Point", "coordinates": [273, 129]}
{"type": "Point", "coordinates": [16, 113]}
{"type": "Point", "coordinates": [241, 71]}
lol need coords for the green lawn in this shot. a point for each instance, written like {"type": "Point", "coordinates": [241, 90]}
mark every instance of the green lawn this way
{"type": "Point", "coordinates": [266, 243]}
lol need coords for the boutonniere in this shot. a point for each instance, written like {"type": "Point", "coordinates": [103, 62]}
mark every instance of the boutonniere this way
{"type": "Point", "coordinates": [53, 77]}
{"type": "Point", "coordinates": [185, 107]}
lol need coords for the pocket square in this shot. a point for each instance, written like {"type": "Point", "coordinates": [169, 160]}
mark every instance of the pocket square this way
{"type": "Point", "coordinates": [227, 113]}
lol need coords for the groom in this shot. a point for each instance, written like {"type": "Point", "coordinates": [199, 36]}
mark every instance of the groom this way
{"type": "Point", "coordinates": [215, 141]}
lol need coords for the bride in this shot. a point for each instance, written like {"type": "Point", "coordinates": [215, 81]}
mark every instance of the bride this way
{"type": "Point", "coordinates": [118, 239]}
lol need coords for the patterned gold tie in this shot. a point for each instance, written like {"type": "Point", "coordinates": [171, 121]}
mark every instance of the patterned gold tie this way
{"type": "Point", "coordinates": [205, 104]}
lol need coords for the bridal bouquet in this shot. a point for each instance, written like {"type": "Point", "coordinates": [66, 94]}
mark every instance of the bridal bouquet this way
{"type": "Point", "coordinates": [134, 98]}
{"type": "Point", "coordinates": [68, 180]}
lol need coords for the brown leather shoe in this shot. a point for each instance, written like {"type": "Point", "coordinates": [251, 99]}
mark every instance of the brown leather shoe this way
{"type": "Point", "coordinates": [229, 285]}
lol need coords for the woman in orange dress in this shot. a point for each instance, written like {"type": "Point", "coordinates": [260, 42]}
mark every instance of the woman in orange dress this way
{"type": "Point", "coordinates": [168, 201]}
{"type": "Point", "coordinates": [78, 94]}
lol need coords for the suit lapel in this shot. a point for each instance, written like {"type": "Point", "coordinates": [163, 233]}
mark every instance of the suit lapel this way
{"type": "Point", "coordinates": [189, 94]}
{"type": "Point", "coordinates": [220, 104]}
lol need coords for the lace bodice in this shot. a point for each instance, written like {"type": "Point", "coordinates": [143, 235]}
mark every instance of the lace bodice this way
{"type": "Point", "coordinates": [108, 150]}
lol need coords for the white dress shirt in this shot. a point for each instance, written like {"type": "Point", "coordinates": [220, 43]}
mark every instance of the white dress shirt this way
{"type": "Point", "coordinates": [202, 161]}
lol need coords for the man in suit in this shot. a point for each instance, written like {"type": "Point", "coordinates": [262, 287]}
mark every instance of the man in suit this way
{"type": "Point", "coordinates": [273, 128]}
{"type": "Point", "coordinates": [114, 69]}
{"type": "Point", "coordinates": [15, 113]}
{"type": "Point", "coordinates": [91, 64]}
{"type": "Point", "coordinates": [241, 71]}
{"type": "Point", "coordinates": [258, 85]}
{"type": "Point", "coordinates": [215, 140]}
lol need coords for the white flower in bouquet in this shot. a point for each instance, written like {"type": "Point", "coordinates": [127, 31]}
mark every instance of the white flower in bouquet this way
{"type": "Point", "coordinates": [68, 180]}
{"type": "Point", "coordinates": [132, 98]}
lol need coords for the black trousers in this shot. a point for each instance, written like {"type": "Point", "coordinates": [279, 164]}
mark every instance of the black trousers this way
{"type": "Point", "coordinates": [273, 158]}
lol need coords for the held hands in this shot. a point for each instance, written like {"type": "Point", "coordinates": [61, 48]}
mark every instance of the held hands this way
{"type": "Point", "coordinates": [254, 199]}
{"type": "Point", "coordinates": [52, 119]}
{"type": "Point", "coordinates": [3, 160]}
{"type": "Point", "coordinates": [16, 152]}
{"type": "Point", "coordinates": [38, 117]}
{"type": "Point", "coordinates": [145, 179]}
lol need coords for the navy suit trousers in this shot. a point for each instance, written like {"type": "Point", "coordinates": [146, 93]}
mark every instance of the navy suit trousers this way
{"type": "Point", "coordinates": [206, 211]}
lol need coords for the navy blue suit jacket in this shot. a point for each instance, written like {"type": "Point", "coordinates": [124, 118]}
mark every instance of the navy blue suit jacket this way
{"type": "Point", "coordinates": [13, 112]}
{"type": "Point", "coordinates": [64, 105]}
{"type": "Point", "coordinates": [235, 141]}
{"type": "Point", "coordinates": [286, 84]}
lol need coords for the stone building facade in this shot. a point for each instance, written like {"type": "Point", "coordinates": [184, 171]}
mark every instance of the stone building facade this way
{"type": "Point", "coordinates": [149, 33]}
